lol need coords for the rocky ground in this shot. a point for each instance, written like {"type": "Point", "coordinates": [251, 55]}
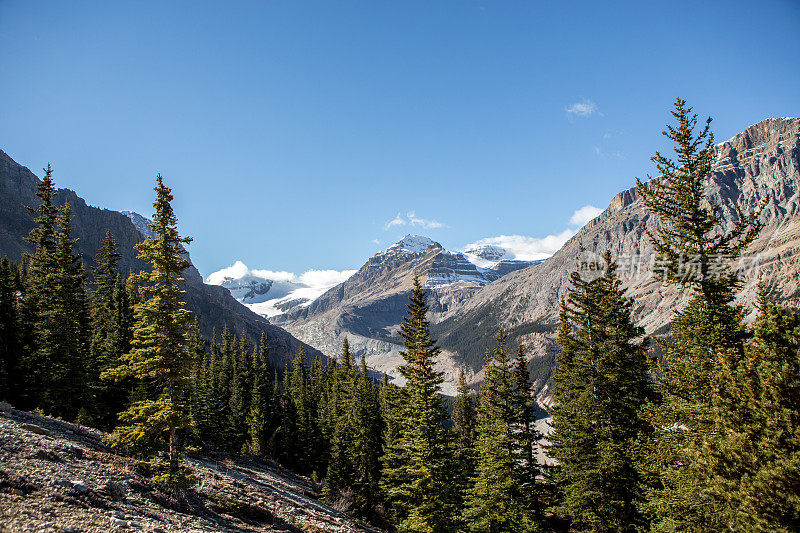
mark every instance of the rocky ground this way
{"type": "Point", "coordinates": [56, 476]}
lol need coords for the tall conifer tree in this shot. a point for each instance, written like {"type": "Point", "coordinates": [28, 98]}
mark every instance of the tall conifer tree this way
{"type": "Point", "coordinates": [464, 422]}
{"type": "Point", "coordinates": [694, 251]}
{"type": "Point", "coordinates": [417, 466]}
{"type": "Point", "coordinates": [601, 385]}
{"type": "Point", "coordinates": [497, 503]}
{"type": "Point", "coordinates": [39, 289]}
{"type": "Point", "coordinates": [159, 356]}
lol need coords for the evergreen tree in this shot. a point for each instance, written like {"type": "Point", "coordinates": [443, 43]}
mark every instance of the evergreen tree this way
{"type": "Point", "coordinates": [62, 330]}
{"type": "Point", "coordinates": [366, 449]}
{"type": "Point", "coordinates": [261, 405]}
{"type": "Point", "coordinates": [527, 436]}
{"type": "Point", "coordinates": [241, 390]}
{"type": "Point", "coordinates": [694, 250]}
{"type": "Point", "coordinates": [9, 331]}
{"type": "Point", "coordinates": [464, 424]}
{"type": "Point", "coordinates": [159, 356]}
{"type": "Point", "coordinates": [418, 461]}
{"type": "Point", "coordinates": [39, 292]}
{"type": "Point", "coordinates": [759, 445]}
{"type": "Point", "coordinates": [340, 473]}
{"type": "Point", "coordinates": [601, 385]}
{"type": "Point", "coordinates": [496, 503]}
{"type": "Point", "coordinates": [287, 441]}
{"type": "Point", "coordinates": [108, 337]}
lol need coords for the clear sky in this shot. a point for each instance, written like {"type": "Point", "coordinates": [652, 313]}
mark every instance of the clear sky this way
{"type": "Point", "coordinates": [294, 133]}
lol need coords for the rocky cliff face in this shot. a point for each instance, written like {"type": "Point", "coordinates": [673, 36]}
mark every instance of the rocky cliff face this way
{"type": "Point", "coordinates": [213, 305]}
{"type": "Point", "coordinates": [759, 165]}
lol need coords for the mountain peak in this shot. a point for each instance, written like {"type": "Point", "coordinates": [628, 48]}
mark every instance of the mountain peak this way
{"type": "Point", "coordinates": [412, 244]}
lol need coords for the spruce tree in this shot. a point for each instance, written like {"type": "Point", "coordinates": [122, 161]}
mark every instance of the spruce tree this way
{"type": "Point", "coordinates": [258, 419]}
{"type": "Point", "coordinates": [366, 444]}
{"type": "Point", "coordinates": [464, 423]}
{"type": "Point", "coordinates": [108, 337]}
{"type": "Point", "coordinates": [39, 291]}
{"type": "Point", "coordinates": [496, 503]}
{"type": "Point", "coordinates": [159, 356]}
{"type": "Point", "coordinates": [601, 385]}
{"type": "Point", "coordinates": [417, 464]}
{"type": "Point", "coordinates": [527, 436]}
{"type": "Point", "coordinates": [340, 473]}
{"type": "Point", "coordinates": [694, 251]}
{"type": "Point", "coordinates": [62, 330]}
{"type": "Point", "coordinates": [9, 332]}
{"type": "Point", "coordinates": [759, 445]}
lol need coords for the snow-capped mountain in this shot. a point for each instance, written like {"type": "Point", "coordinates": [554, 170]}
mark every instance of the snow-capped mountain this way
{"type": "Point", "coordinates": [368, 307]}
{"type": "Point", "coordinates": [270, 293]}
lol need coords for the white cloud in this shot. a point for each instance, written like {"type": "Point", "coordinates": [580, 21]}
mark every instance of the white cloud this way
{"type": "Point", "coordinates": [583, 109]}
{"type": "Point", "coordinates": [310, 278]}
{"type": "Point", "coordinates": [527, 248]}
{"type": "Point", "coordinates": [583, 215]}
{"type": "Point", "coordinates": [396, 221]}
{"type": "Point", "coordinates": [375, 241]}
{"type": "Point", "coordinates": [325, 279]}
{"type": "Point", "coordinates": [411, 219]}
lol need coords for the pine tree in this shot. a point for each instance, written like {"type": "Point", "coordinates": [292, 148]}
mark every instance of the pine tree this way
{"type": "Point", "coordinates": [496, 503]}
{"type": "Point", "coordinates": [464, 424]}
{"type": "Point", "coordinates": [241, 389]}
{"type": "Point", "coordinates": [759, 446]}
{"type": "Point", "coordinates": [39, 289]}
{"type": "Point", "coordinates": [601, 385]}
{"type": "Point", "coordinates": [62, 330]}
{"type": "Point", "coordinates": [108, 338]}
{"type": "Point", "coordinates": [418, 462]}
{"type": "Point", "coordinates": [694, 250]}
{"type": "Point", "coordinates": [527, 436]}
{"type": "Point", "coordinates": [366, 449]}
{"type": "Point", "coordinates": [340, 472]}
{"type": "Point", "coordinates": [261, 406]}
{"type": "Point", "coordinates": [159, 357]}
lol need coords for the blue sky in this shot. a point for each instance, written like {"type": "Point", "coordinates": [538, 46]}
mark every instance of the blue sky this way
{"type": "Point", "coordinates": [294, 133]}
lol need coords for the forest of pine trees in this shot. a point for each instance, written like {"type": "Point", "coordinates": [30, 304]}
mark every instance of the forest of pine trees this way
{"type": "Point", "coordinates": [698, 431]}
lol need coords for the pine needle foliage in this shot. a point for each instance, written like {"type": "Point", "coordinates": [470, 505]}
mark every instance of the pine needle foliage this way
{"type": "Point", "coordinates": [417, 466]}
{"type": "Point", "coordinates": [159, 358]}
{"type": "Point", "coordinates": [496, 502]}
{"type": "Point", "coordinates": [694, 250]}
{"type": "Point", "coordinates": [601, 385]}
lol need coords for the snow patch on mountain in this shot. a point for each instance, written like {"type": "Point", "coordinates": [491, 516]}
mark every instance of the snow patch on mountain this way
{"type": "Point", "coordinates": [141, 223]}
{"type": "Point", "coordinates": [271, 293]}
{"type": "Point", "coordinates": [410, 244]}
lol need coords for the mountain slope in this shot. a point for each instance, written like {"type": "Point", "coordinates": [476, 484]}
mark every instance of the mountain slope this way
{"type": "Point", "coordinates": [213, 305]}
{"type": "Point", "coordinates": [369, 306]}
{"type": "Point", "coordinates": [759, 165]}
{"type": "Point", "coordinates": [57, 476]}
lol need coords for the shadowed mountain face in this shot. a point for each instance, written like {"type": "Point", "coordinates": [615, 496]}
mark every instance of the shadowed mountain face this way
{"type": "Point", "coordinates": [758, 165]}
{"type": "Point", "coordinates": [213, 305]}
